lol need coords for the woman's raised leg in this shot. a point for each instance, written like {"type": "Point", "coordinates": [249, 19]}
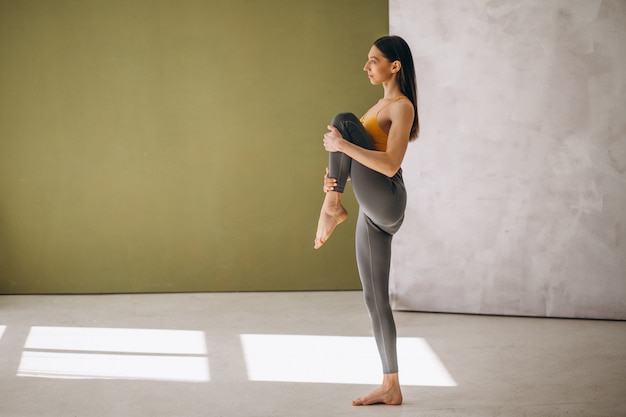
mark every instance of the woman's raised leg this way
{"type": "Point", "coordinates": [339, 166]}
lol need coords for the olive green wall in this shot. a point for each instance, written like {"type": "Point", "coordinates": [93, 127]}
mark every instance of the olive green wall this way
{"type": "Point", "coordinates": [154, 146]}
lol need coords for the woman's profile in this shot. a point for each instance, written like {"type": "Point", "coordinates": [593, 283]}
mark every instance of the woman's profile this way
{"type": "Point", "coordinates": [370, 152]}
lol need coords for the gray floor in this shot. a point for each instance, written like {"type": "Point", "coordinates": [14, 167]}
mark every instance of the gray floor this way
{"type": "Point", "coordinates": [499, 366]}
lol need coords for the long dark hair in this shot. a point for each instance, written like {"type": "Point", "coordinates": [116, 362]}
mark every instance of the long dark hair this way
{"type": "Point", "coordinates": [396, 49]}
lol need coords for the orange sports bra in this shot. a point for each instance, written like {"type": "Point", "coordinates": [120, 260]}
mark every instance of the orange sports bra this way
{"type": "Point", "coordinates": [373, 128]}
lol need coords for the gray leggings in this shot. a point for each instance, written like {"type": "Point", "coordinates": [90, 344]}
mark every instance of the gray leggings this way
{"type": "Point", "coordinates": [382, 201]}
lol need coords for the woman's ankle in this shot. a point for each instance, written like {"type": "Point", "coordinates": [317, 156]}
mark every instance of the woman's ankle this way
{"type": "Point", "coordinates": [333, 199]}
{"type": "Point", "coordinates": [391, 380]}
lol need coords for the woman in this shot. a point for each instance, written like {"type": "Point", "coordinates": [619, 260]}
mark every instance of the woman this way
{"type": "Point", "coordinates": [370, 151]}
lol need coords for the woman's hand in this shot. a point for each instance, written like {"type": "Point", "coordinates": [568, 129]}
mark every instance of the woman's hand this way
{"type": "Point", "coordinates": [329, 183]}
{"type": "Point", "coordinates": [333, 140]}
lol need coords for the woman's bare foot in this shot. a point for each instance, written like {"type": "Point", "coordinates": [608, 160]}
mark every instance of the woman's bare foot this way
{"type": "Point", "coordinates": [388, 393]}
{"type": "Point", "coordinates": [331, 215]}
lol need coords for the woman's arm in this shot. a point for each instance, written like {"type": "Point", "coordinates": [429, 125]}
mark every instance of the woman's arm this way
{"type": "Point", "coordinates": [388, 162]}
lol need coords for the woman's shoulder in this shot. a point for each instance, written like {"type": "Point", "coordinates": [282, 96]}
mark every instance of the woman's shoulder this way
{"type": "Point", "coordinates": [401, 106]}
{"type": "Point", "coordinates": [404, 100]}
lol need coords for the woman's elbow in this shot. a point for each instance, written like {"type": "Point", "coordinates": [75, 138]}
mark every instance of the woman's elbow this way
{"type": "Point", "coordinates": [392, 163]}
{"type": "Point", "coordinates": [391, 170]}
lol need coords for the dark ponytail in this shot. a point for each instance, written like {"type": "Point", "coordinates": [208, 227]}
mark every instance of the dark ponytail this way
{"type": "Point", "coordinates": [396, 49]}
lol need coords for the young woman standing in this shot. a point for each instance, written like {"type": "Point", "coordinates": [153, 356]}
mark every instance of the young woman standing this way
{"type": "Point", "coordinates": [370, 152]}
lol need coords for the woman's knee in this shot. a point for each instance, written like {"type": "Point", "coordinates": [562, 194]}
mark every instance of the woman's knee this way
{"type": "Point", "coordinates": [377, 304]}
{"type": "Point", "coordinates": [341, 118]}
{"type": "Point", "coordinates": [352, 130]}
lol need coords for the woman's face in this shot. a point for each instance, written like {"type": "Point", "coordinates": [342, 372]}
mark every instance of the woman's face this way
{"type": "Point", "coordinates": [378, 67]}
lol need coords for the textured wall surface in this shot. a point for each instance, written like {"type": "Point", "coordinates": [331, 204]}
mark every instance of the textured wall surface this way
{"type": "Point", "coordinates": [517, 185]}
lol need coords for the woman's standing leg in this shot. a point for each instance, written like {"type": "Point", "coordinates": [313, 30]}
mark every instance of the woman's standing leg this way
{"type": "Point", "coordinates": [373, 253]}
{"type": "Point", "coordinates": [382, 201]}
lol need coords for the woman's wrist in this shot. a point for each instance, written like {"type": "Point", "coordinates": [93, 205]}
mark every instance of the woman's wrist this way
{"type": "Point", "coordinates": [343, 145]}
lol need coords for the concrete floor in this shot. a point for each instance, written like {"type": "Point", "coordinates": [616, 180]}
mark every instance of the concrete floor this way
{"type": "Point", "coordinates": [184, 355]}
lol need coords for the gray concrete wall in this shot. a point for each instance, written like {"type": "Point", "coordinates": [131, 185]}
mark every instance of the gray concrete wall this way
{"type": "Point", "coordinates": [517, 185]}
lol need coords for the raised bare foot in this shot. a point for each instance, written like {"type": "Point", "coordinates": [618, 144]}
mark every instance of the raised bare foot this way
{"type": "Point", "coordinates": [331, 215]}
{"type": "Point", "coordinates": [388, 393]}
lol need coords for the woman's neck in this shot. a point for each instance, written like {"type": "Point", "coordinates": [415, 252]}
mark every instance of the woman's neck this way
{"type": "Point", "coordinates": [391, 89]}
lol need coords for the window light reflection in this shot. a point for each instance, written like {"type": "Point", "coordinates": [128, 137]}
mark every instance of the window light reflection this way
{"type": "Point", "coordinates": [110, 353]}
{"type": "Point", "coordinates": [338, 359]}
{"type": "Point", "coordinates": [113, 366]}
{"type": "Point", "coordinates": [162, 341]}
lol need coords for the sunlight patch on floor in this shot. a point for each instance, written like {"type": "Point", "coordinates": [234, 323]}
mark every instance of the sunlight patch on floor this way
{"type": "Point", "coordinates": [109, 353]}
{"type": "Point", "coordinates": [2, 329]}
{"type": "Point", "coordinates": [94, 339]}
{"type": "Point", "coordinates": [113, 366]}
{"type": "Point", "coordinates": [338, 360]}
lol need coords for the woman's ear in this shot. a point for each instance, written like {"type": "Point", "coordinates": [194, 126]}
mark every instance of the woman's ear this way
{"type": "Point", "coordinates": [396, 66]}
